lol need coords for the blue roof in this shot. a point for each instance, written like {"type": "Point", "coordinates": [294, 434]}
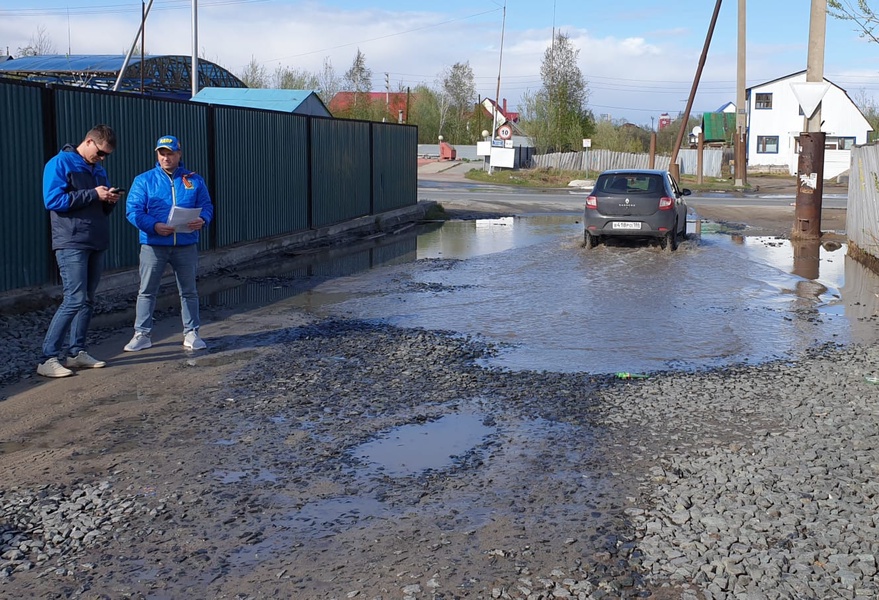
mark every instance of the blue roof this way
{"type": "Point", "coordinates": [269, 99]}
{"type": "Point", "coordinates": [92, 63]}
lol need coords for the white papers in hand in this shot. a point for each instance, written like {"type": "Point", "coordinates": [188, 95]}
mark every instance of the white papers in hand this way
{"type": "Point", "coordinates": [179, 217]}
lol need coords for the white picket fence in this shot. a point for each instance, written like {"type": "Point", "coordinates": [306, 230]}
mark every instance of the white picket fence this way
{"type": "Point", "coordinates": [602, 160]}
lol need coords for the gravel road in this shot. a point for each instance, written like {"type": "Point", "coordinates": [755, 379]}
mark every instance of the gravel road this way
{"type": "Point", "coordinates": [240, 472]}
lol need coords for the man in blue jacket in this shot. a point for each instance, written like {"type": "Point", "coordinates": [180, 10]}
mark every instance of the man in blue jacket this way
{"type": "Point", "coordinates": [77, 194]}
{"type": "Point", "coordinates": [153, 195]}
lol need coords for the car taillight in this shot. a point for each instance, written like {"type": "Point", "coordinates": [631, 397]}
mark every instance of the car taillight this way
{"type": "Point", "coordinates": [666, 203]}
{"type": "Point", "coordinates": [592, 202]}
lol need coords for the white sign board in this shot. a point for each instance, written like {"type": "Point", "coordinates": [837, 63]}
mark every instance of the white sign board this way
{"type": "Point", "coordinates": [483, 148]}
{"type": "Point", "coordinates": [587, 143]}
{"type": "Point", "coordinates": [503, 157]}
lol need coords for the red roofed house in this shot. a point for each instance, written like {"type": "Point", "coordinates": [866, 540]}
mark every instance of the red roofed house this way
{"type": "Point", "coordinates": [500, 113]}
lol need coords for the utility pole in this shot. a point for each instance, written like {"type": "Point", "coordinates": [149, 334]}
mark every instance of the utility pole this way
{"type": "Point", "coordinates": [194, 47]}
{"type": "Point", "coordinates": [741, 141]}
{"type": "Point", "coordinates": [810, 165]}
{"type": "Point", "coordinates": [673, 166]}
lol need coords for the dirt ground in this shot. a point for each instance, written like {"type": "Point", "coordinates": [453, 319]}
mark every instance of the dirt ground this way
{"type": "Point", "coordinates": [153, 423]}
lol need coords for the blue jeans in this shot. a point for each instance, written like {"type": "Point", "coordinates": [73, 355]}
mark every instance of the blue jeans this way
{"type": "Point", "coordinates": [80, 274]}
{"type": "Point", "coordinates": [153, 260]}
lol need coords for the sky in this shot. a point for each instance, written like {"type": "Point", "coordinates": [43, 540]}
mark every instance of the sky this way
{"type": "Point", "coordinates": [638, 57]}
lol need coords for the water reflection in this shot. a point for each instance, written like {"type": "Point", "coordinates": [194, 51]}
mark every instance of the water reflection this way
{"type": "Point", "coordinates": [807, 258]}
{"type": "Point", "coordinates": [529, 284]}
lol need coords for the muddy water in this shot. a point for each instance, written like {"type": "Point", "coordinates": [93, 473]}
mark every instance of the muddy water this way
{"type": "Point", "coordinates": [529, 284]}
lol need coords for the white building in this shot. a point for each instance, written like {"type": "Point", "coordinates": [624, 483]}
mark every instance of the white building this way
{"type": "Point", "coordinates": [775, 121]}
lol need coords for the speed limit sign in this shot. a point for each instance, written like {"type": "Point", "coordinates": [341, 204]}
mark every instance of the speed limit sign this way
{"type": "Point", "coordinates": [505, 132]}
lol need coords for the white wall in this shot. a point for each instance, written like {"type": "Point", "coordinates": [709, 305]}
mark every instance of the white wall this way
{"type": "Point", "coordinates": [840, 115]}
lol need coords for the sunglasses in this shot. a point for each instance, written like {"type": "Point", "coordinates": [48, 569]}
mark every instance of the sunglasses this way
{"type": "Point", "coordinates": [100, 152]}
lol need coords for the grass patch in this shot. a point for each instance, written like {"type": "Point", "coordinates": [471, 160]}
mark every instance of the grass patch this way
{"type": "Point", "coordinates": [539, 178]}
{"type": "Point", "coordinates": [555, 178]}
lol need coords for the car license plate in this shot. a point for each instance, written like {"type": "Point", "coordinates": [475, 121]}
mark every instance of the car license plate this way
{"type": "Point", "coordinates": [626, 225]}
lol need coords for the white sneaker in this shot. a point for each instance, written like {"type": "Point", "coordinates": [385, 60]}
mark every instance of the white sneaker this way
{"type": "Point", "coordinates": [140, 341]}
{"type": "Point", "coordinates": [53, 368]}
{"type": "Point", "coordinates": [193, 342]}
{"type": "Point", "coordinates": [84, 360]}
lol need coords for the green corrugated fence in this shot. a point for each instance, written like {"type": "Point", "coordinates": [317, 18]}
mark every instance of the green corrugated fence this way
{"type": "Point", "coordinates": [269, 173]}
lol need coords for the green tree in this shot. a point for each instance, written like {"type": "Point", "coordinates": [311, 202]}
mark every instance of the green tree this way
{"type": "Point", "coordinates": [255, 75]}
{"type": "Point", "coordinates": [286, 78]}
{"type": "Point", "coordinates": [620, 137]}
{"type": "Point", "coordinates": [858, 12]}
{"type": "Point", "coordinates": [556, 116]}
{"type": "Point", "coordinates": [424, 111]}
{"type": "Point", "coordinates": [457, 95]}
{"type": "Point", "coordinates": [358, 80]}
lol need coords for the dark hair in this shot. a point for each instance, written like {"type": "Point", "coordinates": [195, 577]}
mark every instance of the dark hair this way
{"type": "Point", "coordinates": [104, 134]}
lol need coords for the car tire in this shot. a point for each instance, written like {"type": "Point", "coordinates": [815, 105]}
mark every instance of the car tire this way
{"type": "Point", "coordinates": [670, 241]}
{"type": "Point", "coordinates": [589, 240]}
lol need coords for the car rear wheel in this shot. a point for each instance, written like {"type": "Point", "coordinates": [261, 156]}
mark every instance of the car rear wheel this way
{"type": "Point", "coordinates": [670, 241]}
{"type": "Point", "coordinates": [589, 240]}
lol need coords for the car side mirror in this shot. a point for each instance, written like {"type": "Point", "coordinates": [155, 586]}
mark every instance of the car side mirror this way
{"type": "Point", "coordinates": [685, 192]}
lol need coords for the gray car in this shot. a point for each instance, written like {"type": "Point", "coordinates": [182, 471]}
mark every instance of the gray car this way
{"type": "Point", "coordinates": [636, 203]}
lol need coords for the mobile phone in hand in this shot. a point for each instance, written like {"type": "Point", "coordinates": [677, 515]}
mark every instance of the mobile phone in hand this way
{"type": "Point", "coordinates": [117, 190]}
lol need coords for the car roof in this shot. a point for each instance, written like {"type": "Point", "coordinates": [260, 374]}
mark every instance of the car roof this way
{"type": "Point", "coordinates": [634, 172]}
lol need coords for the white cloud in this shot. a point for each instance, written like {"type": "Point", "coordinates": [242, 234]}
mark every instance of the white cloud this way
{"type": "Point", "coordinates": [634, 69]}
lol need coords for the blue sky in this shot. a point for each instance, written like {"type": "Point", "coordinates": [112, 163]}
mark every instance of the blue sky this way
{"type": "Point", "coordinates": [637, 56]}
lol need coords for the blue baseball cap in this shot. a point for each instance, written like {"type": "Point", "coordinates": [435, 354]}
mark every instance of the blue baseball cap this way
{"type": "Point", "coordinates": [168, 141]}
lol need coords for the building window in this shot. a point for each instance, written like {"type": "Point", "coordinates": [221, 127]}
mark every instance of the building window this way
{"type": "Point", "coordinates": [846, 143]}
{"type": "Point", "coordinates": [767, 144]}
{"type": "Point", "coordinates": [763, 101]}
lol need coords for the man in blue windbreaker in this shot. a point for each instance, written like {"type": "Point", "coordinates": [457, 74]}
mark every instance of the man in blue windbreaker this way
{"type": "Point", "coordinates": [151, 199]}
{"type": "Point", "coordinates": [77, 194]}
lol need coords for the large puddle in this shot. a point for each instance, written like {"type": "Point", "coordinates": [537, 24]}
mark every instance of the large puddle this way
{"type": "Point", "coordinates": [528, 284]}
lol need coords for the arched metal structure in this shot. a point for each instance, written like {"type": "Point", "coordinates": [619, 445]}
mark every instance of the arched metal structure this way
{"type": "Point", "coordinates": [165, 76]}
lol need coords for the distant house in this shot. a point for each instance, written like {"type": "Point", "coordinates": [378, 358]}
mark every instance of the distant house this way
{"type": "Point", "coordinates": [300, 102]}
{"type": "Point", "coordinates": [775, 121]}
{"type": "Point", "coordinates": [397, 103]}
{"type": "Point", "coordinates": [501, 115]}
{"type": "Point", "coordinates": [719, 127]}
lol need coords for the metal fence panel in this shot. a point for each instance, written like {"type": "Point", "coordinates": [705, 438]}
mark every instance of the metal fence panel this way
{"type": "Point", "coordinates": [712, 162]}
{"type": "Point", "coordinates": [862, 214]}
{"type": "Point", "coordinates": [24, 229]}
{"type": "Point", "coordinates": [394, 166]}
{"type": "Point", "coordinates": [138, 123]}
{"type": "Point", "coordinates": [597, 161]}
{"type": "Point", "coordinates": [262, 174]}
{"type": "Point", "coordinates": [340, 170]}
{"type": "Point", "coordinates": [307, 171]}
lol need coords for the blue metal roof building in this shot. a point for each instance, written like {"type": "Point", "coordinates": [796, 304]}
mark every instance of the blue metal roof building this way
{"type": "Point", "coordinates": [166, 76]}
{"type": "Point", "coordinates": [300, 102]}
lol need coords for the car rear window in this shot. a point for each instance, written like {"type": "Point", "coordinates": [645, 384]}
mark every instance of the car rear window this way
{"type": "Point", "coordinates": [629, 183]}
